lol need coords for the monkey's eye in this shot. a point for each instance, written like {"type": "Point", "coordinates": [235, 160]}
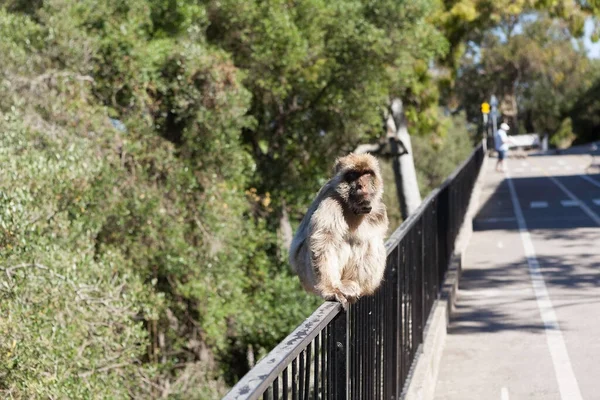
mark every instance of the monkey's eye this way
{"type": "Point", "coordinates": [351, 176]}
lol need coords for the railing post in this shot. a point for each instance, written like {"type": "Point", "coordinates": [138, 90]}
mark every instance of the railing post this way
{"type": "Point", "coordinates": [443, 228]}
{"type": "Point", "coordinates": [422, 278]}
{"type": "Point", "coordinates": [399, 326]}
{"type": "Point", "coordinates": [340, 357]}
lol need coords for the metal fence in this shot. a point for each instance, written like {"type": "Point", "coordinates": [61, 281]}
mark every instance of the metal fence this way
{"type": "Point", "coordinates": [368, 351]}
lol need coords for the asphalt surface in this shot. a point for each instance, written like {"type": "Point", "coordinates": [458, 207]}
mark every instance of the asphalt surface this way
{"type": "Point", "coordinates": [527, 324]}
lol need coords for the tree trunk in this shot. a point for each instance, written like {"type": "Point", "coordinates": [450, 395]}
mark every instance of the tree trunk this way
{"type": "Point", "coordinates": [285, 228]}
{"type": "Point", "coordinates": [407, 186]}
{"type": "Point", "coordinates": [399, 146]}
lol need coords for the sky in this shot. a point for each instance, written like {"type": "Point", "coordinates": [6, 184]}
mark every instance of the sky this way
{"type": "Point", "coordinates": [593, 49]}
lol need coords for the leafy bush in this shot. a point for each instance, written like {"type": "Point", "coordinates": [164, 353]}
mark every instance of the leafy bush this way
{"type": "Point", "coordinates": [69, 315]}
{"type": "Point", "coordinates": [436, 157]}
{"type": "Point", "coordinates": [585, 115]}
{"type": "Point", "coordinates": [131, 258]}
{"type": "Point", "coordinates": [564, 136]}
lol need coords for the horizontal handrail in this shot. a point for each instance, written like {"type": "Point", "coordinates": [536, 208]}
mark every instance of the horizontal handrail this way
{"type": "Point", "coordinates": [407, 224]}
{"type": "Point", "coordinates": [461, 167]}
{"type": "Point", "coordinates": [254, 383]}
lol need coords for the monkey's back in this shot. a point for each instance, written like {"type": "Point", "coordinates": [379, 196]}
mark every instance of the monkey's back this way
{"type": "Point", "coordinates": [301, 255]}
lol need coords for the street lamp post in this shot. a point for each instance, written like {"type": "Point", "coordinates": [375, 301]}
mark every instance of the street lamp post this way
{"type": "Point", "coordinates": [485, 111]}
{"type": "Point", "coordinates": [494, 104]}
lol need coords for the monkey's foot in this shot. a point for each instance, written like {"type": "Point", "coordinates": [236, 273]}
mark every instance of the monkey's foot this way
{"type": "Point", "coordinates": [347, 292]}
{"type": "Point", "coordinates": [342, 300]}
{"type": "Point", "coordinates": [335, 295]}
{"type": "Point", "coordinates": [350, 290]}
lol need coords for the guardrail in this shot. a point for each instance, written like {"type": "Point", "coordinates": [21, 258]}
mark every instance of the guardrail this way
{"type": "Point", "coordinates": [523, 141]}
{"type": "Point", "coordinates": [367, 352]}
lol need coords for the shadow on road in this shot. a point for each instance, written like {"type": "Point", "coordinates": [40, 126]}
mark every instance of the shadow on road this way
{"type": "Point", "coordinates": [541, 203]}
{"type": "Point", "coordinates": [486, 294]}
{"type": "Point", "coordinates": [497, 295]}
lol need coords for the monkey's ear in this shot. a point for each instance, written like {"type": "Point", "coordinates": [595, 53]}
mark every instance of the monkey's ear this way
{"type": "Point", "coordinates": [338, 165]}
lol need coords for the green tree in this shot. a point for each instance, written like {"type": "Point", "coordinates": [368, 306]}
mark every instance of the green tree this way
{"type": "Point", "coordinates": [320, 73]}
{"type": "Point", "coordinates": [465, 21]}
{"type": "Point", "coordinates": [166, 201]}
{"type": "Point", "coordinates": [585, 114]}
{"type": "Point", "coordinates": [144, 261]}
{"type": "Point", "coordinates": [537, 73]}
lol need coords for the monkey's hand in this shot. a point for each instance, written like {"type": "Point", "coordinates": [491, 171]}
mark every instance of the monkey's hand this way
{"type": "Point", "coordinates": [350, 290]}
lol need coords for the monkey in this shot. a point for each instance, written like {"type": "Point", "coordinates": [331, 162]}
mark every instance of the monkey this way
{"type": "Point", "coordinates": [338, 251]}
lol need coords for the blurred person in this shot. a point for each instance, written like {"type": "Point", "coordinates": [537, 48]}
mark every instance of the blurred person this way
{"type": "Point", "coordinates": [501, 141]}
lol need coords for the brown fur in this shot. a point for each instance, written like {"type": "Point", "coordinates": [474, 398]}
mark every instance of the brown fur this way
{"type": "Point", "coordinates": [338, 251]}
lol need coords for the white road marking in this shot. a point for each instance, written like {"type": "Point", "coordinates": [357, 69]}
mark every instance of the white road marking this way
{"type": "Point", "coordinates": [561, 162]}
{"type": "Point", "coordinates": [493, 220]}
{"type": "Point", "coordinates": [590, 180]}
{"type": "Point", "coordinates": [585, 208]}
{"type": "Point", "coordinates": [567, 382]}
{"type": "Point", "coordinates": [518, 169]}
{"type": "Point", "coordinates": [569, 203]}
{"type": "Point", "coordinates": [536, 169]}
{"type": "Point", "coordinates": [596, 202]}
{"type": "Point", "coordinates": [568, 167]}
{"type": "Point", "coordinates": [524, 164]}
{"type": "Point", "coordinates": [504, 394]}
{"type": "Point", "coordinates": [482, 293]}
{"type": "Point", "coordinates": [538, 204]}
{"type": "Point", "coordinates": [553, 168]}
{"type": "Point", "coordinates": [500, 245]}
{"type": "Point", "coordinates": [490, 293]}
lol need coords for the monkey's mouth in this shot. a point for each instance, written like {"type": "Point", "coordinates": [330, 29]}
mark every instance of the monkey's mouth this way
{"type": "Point", "coordinates": [363, 209]}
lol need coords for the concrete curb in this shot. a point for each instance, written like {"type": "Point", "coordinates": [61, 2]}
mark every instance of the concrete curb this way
{"type": "Point", "coordinates": [425, 371]}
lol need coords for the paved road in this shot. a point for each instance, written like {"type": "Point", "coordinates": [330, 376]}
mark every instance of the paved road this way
{"type": "Point", "coordinates": [527, 324]}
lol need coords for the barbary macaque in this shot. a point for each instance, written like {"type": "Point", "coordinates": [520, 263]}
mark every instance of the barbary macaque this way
{"type": "Point", "coordinates": [338, 250]}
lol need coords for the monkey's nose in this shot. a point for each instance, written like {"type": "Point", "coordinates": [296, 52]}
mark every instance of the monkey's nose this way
{"type": "Point", "coordinates": [362, 192]}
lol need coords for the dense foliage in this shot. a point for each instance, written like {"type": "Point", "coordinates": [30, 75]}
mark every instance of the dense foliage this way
{"type": "Point", "coordinates": [153, 153]}
{"type": "Point", "coordinates": [148, 150]}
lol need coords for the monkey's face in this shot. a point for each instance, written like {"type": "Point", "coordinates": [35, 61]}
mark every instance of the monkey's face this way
{"type": "Point", "coordinates": [358, 182]}
{"type": "Point", "coordinates": [362, 190]}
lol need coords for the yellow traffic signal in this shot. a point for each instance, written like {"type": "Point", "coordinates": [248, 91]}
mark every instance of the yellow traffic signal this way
{"type": "Point", "coordinates": [485, 108]}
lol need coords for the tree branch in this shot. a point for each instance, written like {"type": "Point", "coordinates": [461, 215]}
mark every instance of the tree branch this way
{"type": "Point", "coordinates": [104, 369]}
{"type": "Point", "coordinates": [10, 270]}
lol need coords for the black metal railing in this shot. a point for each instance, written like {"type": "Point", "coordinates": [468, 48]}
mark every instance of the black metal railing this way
{"type": "Point", "coordinates": [368, 351]}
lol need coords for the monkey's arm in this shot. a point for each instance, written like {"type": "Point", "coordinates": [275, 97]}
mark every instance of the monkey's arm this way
{"type": "Point", "coordinates": [299, 254]}
{"type": "Point", "coordinates": [327, 228]}
{"type": "Point", "coordinates": [374, 260]}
